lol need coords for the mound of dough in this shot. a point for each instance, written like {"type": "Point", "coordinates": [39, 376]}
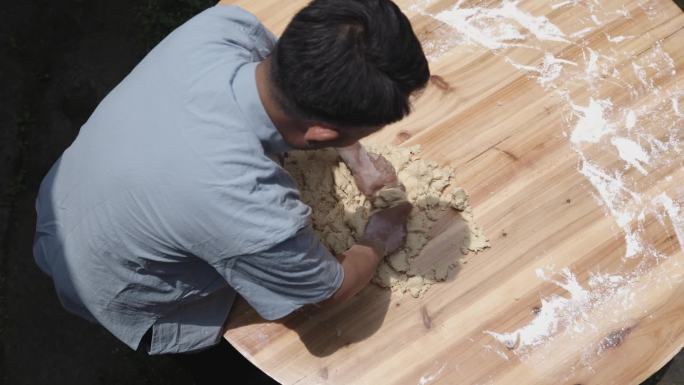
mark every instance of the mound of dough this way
{"type": "Point", "coordinates": [340, 211]}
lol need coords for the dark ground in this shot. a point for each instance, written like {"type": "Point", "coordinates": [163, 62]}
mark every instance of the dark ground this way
{"type": "Point", "coordinates": [57, 60]}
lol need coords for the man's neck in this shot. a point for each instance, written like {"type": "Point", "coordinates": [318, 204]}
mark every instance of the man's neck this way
{"type": "Point", "coordinates": [287, 126]}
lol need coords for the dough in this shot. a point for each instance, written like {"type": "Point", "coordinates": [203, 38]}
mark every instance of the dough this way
{"type": "Point", "coordinates": [388, 197]}
{"type": "Point", "coordinates": [340, 211]}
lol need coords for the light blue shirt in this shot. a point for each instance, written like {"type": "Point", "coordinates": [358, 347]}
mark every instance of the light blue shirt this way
{"type": "Point", "coordinates": [168, 201]}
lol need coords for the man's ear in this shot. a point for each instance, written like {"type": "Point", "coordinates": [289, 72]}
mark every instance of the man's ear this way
{"type": "Point", "coordinates": [320, 134]}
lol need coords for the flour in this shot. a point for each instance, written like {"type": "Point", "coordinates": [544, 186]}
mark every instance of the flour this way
{"type": "Point", "coordinates": [554, 313]}
{"type": "Point", "coordinates": [592, 124]}
{"type": "Point", "coordinates": [620, 201]}
{"type": "Point", "coordinates": [630, 120]}
{"type": "Point", "coordinates": [340, 211]}
{"type": "Point", "coordinates": [592, 65]}
{"type": "Point", "coordinates": [675, 106]}
{"type": "Point", "coordinates": [618, 39]}
{"type": "Point", "coordinates": [631, 153]}
{"type": "Point", "coordinates": [428, 379]}
{"type": "Point", "coordinates": [572, 3]}
{"type": "Point", "coordinates": [494, 27]}
{"type": "Point", "coordinates": [548, 71]}
{"type": "Point", "coordinates": [582, 32]}
{"type": "Point", "coordinates": [497, 27]}
{"type": "Point", "coordinates": [465, 22]}
{"type": "Point", "coordinates": [599, 126]}
{"type": "Point", "coordinates": [676, 214]}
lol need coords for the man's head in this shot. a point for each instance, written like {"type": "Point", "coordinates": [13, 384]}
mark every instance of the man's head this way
{"type": "Point", "coordinates": [344, 69]}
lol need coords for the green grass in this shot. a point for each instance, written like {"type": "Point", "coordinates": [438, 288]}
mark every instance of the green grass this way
{"type": "Point", "coordinates": [17, 183]}
{"type": "Point", "coordinates": [159, 17]}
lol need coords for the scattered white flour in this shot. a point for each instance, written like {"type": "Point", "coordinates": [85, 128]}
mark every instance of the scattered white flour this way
{"type": "Point", "coordinates": [497, 28]}
{"type": "Point", "coordinates": [592, 124]}
{"type": "Point", "coordinates": [493, 27]}
{"type": "Point", "coordinates": [602, 300]}
{"type": "Point", "coordinates": [675, 106]}
{"type": "Point", "coordinates": [624, 12]}
{"type": "Point", "coordinates": [645, 80]}
{"type": "Point", "coordinates": [676, 214]}
{"type": "Point", "coordinates": [496, 351]}
{"type": "Point", "coordinates": [469, 21]}
{"type": "Point", "coordinates": [649, 138]}
{"type": "Point", "coordinates": [618, 39]}
{"type": "Point", "coordinates": [582, 32]}
{"type": "Point", "coordinates": [548, 71]}
{"type": "Point", "coordinates": [620, 201]}
{"type": "Point", "coordinates": [341, 211]}
{"type": "Point", "coordinates": [572, 3]}
{"type": "Point", "coordinates": [631, 153]}
{"type": "Point", "coordinates": [427, 379]}
{"type": "Point", "coordinates": [554, 313]}
{"type": "Point", "coordinates": [592, 65]}
{"type": "Point", "coordinates": [630, 120]}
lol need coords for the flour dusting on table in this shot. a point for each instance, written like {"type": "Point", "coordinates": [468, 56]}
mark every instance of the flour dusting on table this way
{"type": "Point", "coordinates": [625, 145]}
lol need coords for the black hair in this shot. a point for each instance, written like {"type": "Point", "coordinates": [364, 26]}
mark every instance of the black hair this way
{"type": "Point", "coordinates": [349, 63]}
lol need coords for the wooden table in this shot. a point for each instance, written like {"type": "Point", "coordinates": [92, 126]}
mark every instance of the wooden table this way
{"type": "Point", "coordinates": [585, 269]}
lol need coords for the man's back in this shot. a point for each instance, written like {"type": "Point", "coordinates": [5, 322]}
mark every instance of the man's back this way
{"type": "Point", "coordinates": [144, 219]}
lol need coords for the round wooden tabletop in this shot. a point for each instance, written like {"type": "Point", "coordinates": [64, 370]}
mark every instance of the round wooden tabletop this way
{"type": "Point", "coordinates": [565, 122]}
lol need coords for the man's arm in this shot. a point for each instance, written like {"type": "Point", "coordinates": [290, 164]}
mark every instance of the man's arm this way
{"type": "Point", "coordinates": [385, 233]}
{"type": "Point", "coordinates": [386, 229]}
{"type": "Point", "coordinates": [359, 264]}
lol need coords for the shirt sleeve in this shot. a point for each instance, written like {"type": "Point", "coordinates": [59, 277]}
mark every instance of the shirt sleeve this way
{"type": "Point", "coordinates": [235, 26]}
{"type": "Point", "coordinates": [219, 27]}
{"type": "Point", "coordinates": [264, 41]}
{"type": "Point", "coordinates": [285, 277]}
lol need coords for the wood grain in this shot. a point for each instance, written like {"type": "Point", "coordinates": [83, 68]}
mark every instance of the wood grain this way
{"type": "Point", "coordinates": [507, 138]}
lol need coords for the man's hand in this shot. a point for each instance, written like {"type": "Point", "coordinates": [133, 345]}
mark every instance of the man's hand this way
{"type": "Point", "coordinates": [372, 172]}
{"type": "Point", "coordinates": [386, 229]}
{"type": "Point", "coordinates": [385, 233]}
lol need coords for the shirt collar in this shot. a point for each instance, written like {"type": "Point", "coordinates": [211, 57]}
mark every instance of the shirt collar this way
{"type": "Point", "coordinates": [247, 96]}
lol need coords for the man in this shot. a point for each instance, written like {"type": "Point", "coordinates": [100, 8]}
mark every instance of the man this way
{"type": "Point", "coordinates": [169, 201]}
